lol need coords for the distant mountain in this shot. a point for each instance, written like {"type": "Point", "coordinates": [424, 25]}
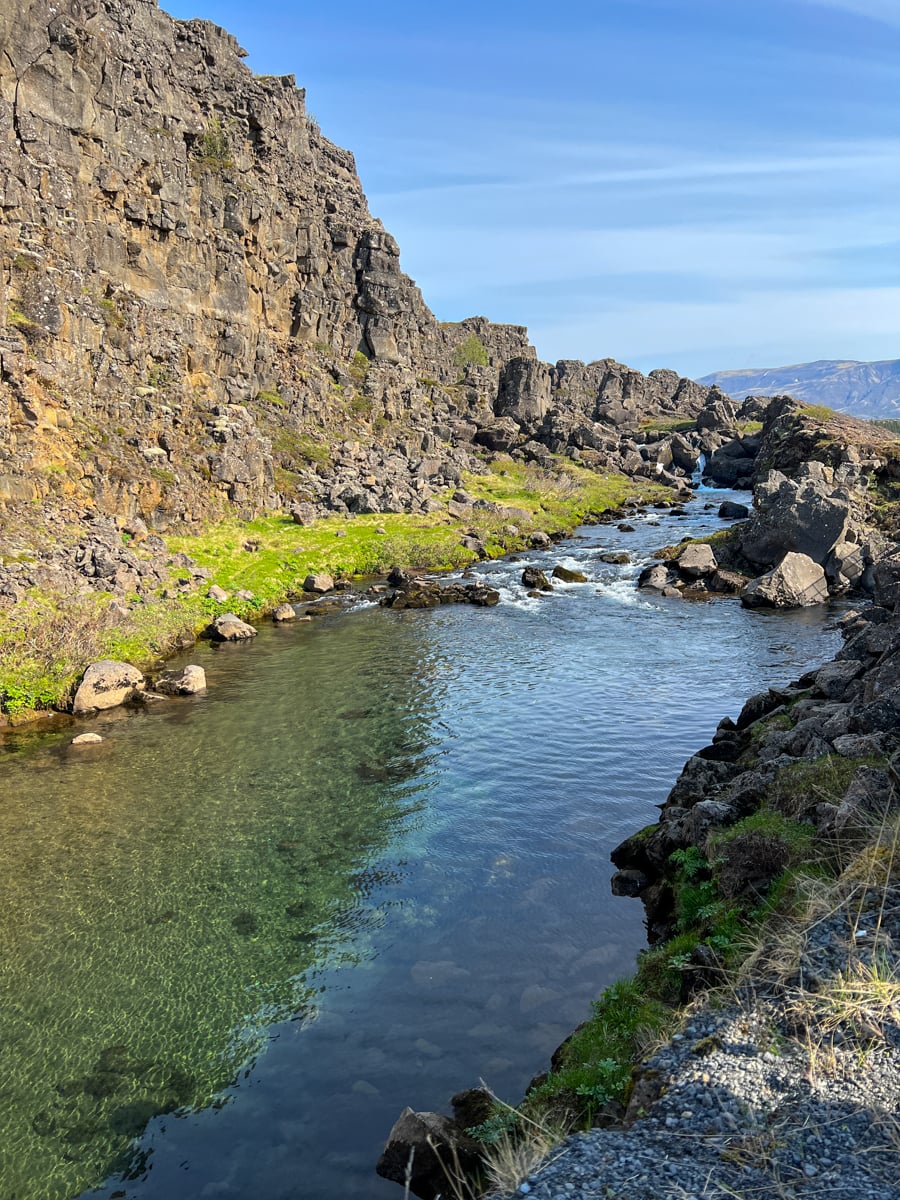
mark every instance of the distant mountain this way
{"type": "Point", "coordinates": [864, 389]}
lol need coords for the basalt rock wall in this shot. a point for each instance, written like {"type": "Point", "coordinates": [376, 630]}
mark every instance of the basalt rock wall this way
{"type": "Point", "coordinates": [198, 310]}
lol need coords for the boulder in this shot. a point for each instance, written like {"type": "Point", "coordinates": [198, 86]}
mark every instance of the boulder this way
{"type": "Point", "coordinates": [321, 583]}
{"type": "Point", "coordinates": [432, 1154]}
{"type": "Point", "coordinates": [568, 576]}
{"type": "Point", "coordinates": [187, 682]}
{"type": "Point", "coordinates": [303, 514]}
{"type": "Point", "coordinates": [106, 684]}
{"type": "Point", "coordinates": [540, 540]}
{"type": "Point", "coordinates": [218, 594]}
{"type": "Point", "coordinates": [807, 516]}
{"type": "Point", "coordinates": [284, 612]}
{"type": "Point", "coordinates": [796, 582]}
{"type": "Point", "coordinates": [729, 510]}
{"type": "Point", "coordinates": [655, 577]}
{"type": "Point", "coordinates": [532, 577]}
{"type": "Point", "coordinates": [230, 628]}
{"type": "Point", "coordinates": [694, 562]}
{"type": "Point", "coordinates": [87, 739]}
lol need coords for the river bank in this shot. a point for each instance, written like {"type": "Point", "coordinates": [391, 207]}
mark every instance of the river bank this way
{"type": "Point", "coordinates": [125, 594]}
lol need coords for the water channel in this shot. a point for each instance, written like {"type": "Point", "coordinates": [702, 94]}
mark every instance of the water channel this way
{"type": "Point", "coordinates": [369, 867]}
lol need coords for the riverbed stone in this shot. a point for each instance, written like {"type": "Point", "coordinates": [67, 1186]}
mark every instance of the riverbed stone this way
{"type": "Point", "coordinates": [187, 682]}
{"type": "Point", "coordinates": [284, 612]}
{"type": "Point", "coordinates": [797, 582]}
{"type": "Point", "coordinates": [569, 576]}
{"type": "Point", "coordinates": [533, 577]}
{"type": "Point", "coordinates": [695, 562]}
{"type": "Point", "coordinates": [107, 684]}
{"type": "Point", "coordinates": [87, 739]}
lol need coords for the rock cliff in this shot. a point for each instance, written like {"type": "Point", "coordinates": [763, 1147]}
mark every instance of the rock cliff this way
{"type": "Point", "coordinates": [198, 311]}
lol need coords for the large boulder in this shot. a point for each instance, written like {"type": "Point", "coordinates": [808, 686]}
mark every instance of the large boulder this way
{"type": "Point", "coordinates": [796, 582]}
{"type": "Point", "coordinates": [694, 562]}
{"type": "Point", "coordinates": [432, 1155]}
{"type": "Point", "coordinates": [524, 391]}
{"type": "Point", "coordinates": [106, 684]}
{"type": "Point", "coordinates": [321, 583]}
{"type": "Point", "coordinates": [230, 628]}
{"type": "Point", "coordinates": [807, 515]}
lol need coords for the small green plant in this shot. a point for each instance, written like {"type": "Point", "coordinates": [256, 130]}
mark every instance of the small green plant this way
{"type": "Point", "coordinates": [359, 367]}
{"type": "Point", "coordinates": [361, 406]}
{"type": "Point", "coordinates": [470, 353]}
{"type": "Point", "coordinates": [817, 412]}
{"type": "Point", "coordinates": [111, 314]}
{"type": "Point", "coordinates": [213, 148]}
{"type": "Point", "coordinates": [270, 396]}
{"type": "Point", "coordinates": [158, 377]}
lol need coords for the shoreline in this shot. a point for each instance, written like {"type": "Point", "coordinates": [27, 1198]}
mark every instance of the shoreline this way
{"type": "Point", "coordinates": [274, 555]}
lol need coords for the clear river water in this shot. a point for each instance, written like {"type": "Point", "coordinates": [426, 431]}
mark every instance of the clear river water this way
{"type": "Point", "coordinates": [368, 868]}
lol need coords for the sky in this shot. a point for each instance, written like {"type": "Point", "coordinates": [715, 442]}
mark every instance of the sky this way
{"type": "Point", "coordinates": [697, 184]}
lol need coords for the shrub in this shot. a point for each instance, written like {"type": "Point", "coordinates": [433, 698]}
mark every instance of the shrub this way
{"type": "Point", "coordinates": [470, 353]}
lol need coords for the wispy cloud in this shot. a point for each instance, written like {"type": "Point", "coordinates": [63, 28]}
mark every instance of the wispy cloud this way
{"type": "Point", "coordinates": [885, 11]}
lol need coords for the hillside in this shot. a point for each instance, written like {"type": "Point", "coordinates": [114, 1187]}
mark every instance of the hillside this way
{"type": "Point", "coordinates": [864, 389]}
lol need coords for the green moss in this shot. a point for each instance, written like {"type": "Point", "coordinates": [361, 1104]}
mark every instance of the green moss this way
{"type": "Point", "coordinates": [670, 425]}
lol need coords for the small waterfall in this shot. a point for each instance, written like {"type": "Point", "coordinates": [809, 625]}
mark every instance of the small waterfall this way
{"type": "Point", "coordinates": [697, 477]}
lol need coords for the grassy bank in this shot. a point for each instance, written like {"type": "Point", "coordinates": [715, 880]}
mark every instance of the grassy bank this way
{"type": "Point", "coordinates": [46, 640]}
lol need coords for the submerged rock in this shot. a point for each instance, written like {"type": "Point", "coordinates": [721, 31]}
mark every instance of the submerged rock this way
{"type": "Point", "coordinates": [568, 576]}
{"type": "Point", "coordinates": [187, 682]}
{"type": "Point", "coordinates": [87, 739]}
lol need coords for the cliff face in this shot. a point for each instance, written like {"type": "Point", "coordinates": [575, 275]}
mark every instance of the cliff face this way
{"type": "Point", "coordinates": [200, 310]}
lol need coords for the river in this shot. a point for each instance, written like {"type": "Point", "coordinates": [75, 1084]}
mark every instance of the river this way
{"type": "Point", "coordinates": [369, 867]}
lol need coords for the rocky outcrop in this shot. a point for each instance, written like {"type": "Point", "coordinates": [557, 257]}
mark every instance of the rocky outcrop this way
{"type": "Point", "coordinates": [808, 515]}
{"type": "Point", "coordinates": [806, 752]}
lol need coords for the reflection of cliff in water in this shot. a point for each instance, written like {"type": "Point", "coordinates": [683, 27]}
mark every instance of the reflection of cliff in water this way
{"type": "Point", "coordinates": [166, 897]}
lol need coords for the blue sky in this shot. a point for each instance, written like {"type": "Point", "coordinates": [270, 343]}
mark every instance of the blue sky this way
{"type": "Point", "coordinates": [700, 184]}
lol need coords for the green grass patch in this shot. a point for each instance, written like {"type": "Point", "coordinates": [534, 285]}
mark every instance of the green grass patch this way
{"type": "Point", "coordinates": [597, 1060]}
{"type": "Point", "coordinates": [817, 412]}
{"type": "Point", "coordinates": [672, 425]}
{"type": "Point", "coordinates": [560, 497]}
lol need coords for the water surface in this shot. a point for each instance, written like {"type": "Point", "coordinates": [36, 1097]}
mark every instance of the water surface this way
{"type": "Point", "coordinates": [368, 868]}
